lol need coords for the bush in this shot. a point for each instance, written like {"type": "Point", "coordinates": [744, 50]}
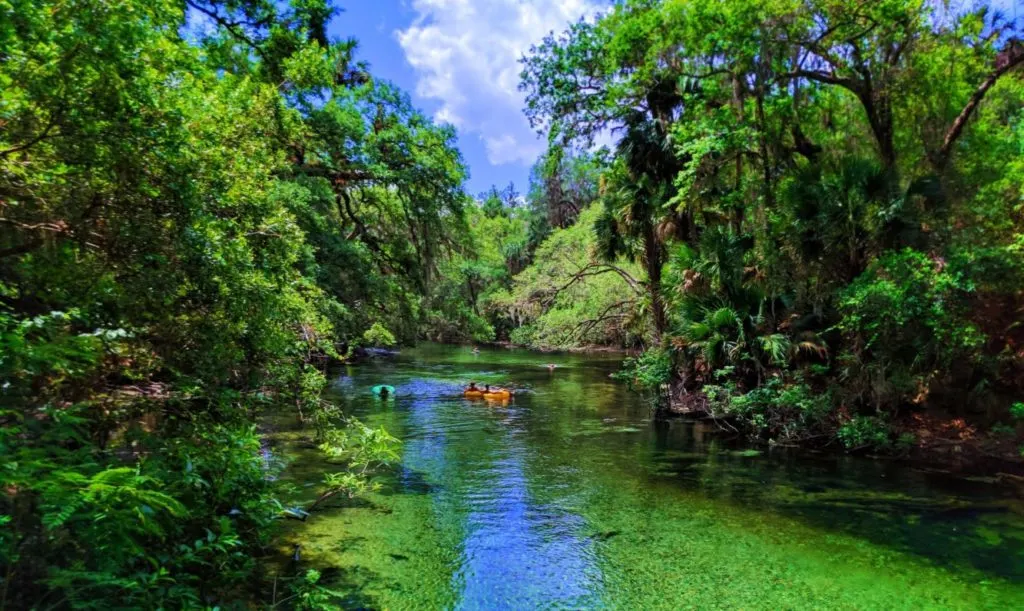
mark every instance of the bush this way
{"type": "Point", "coordinates": [649, 371]}
{"type": "Point", "coordinates": [865, 431]}
{"type": "Point", "coordinates": [378, 335]}
{"type": "Point", "coordinates": [904, 319]}
{"type": "Point", "coordinates": [781, 410]}
{"type": "Point", "coordinates": [523, 336]}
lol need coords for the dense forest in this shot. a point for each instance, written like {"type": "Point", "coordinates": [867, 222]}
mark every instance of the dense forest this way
{"type": "Point", "coordinates": [824, 198]}
{"type": "Point", "coordinates": [804, 215]}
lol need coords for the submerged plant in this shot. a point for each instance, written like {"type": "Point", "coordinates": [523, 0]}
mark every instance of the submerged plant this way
{"type": "Point", "coordinates": [363, 451]}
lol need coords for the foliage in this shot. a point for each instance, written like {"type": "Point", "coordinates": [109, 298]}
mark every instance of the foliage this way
{"type": "Point", "coordinates": [568, 297]}
{"type": "Point", "coordinates": [811, 210]}
{"type": "Point", "coordinates": [311, 596]}
{"type": "Point", "coordinates": [562, 184]}
{"type": "Point", "coordinates": [200, 202]}
{"type": "Point", "coordinates": [821, 195]}
{"type": "Point", "coordinates": [905, 316]}
{"type": "Point", "coordinates": [649, 371]}
{"type": "Point", "coordinates": [378, 335]}
{"type": "Point", "coordinates": [364, 452]}
{"type": "Point", "coordinates": [496, 241]}
{"type": "Point", "coordinates": [861, 431]}
{"type": "Point", "coordinates": [780, 410]}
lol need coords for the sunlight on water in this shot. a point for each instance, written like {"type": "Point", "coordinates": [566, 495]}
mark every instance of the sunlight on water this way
{"type": "Point", "coordinates": [572, 496]}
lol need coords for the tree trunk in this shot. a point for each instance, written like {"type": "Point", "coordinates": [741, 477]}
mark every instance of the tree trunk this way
{"type": "Point", "coordinates": [879, 110]}
{"type": "Point", "coordinates": [652, 259]}
{"type": "Point", "coordinates": [768, 201]}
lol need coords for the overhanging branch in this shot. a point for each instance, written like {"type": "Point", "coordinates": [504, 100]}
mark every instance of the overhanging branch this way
{"type": "Point", "coordinates": [1009, 59]}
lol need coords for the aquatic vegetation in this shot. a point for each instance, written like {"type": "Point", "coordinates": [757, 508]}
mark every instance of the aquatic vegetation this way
{"type": "Point", "coordinates": [574, 498]}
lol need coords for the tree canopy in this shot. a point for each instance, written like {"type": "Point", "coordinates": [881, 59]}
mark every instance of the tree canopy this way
{"type": "Point", "coordinates": [201, 203]}
{"type": "Point", "coordinates": [797, 176]}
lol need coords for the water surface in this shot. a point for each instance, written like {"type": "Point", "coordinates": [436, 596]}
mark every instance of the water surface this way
{"type": "Point", "coordinates": [573, 496]}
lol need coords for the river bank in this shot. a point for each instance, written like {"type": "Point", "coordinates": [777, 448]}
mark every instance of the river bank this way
{"type": "Point", "coordinates": [941, 443]}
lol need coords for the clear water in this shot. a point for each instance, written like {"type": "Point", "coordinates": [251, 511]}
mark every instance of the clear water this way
{"type": "Point", "coordinates": [572, 496]}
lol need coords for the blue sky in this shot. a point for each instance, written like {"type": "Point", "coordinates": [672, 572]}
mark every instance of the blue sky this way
{"type": "Point", "coordinates": [458, 60]}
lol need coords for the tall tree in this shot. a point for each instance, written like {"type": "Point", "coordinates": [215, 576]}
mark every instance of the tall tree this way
{"type": "Point", "coordinates": [784, 160]}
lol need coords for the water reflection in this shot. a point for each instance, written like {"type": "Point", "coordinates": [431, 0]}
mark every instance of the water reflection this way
{"type": "Point", "coordinates": [514, 551]}
{"type": "Point", "coordinates": [573, 496]}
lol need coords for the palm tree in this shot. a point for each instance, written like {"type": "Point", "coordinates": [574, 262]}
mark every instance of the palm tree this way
{"type": "Point", "coordinates": [635, 191]}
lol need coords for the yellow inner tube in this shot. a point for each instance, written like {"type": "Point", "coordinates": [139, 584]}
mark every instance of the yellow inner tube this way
{"type": "Point", "coordinates": [500, 395]}
{"type": "Point", "coordinates": [473, 394]}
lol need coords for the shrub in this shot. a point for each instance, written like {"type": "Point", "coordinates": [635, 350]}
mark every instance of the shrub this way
{"type": "Point", "coordinates": [649, 371]}
{"type": "Point", "coordinates": [378, 335]}
{"type": "Point", "coordinates": [904, 319]}
{"type": "Point", "coordinates": [865, 431]}
{"type": "Point", "coordinates": [523, 336]}
{"type": "Point", "coordinates": [782, 410]}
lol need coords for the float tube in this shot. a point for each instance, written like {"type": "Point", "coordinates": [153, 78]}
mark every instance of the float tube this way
{"type": "Point", "coordinates": [383, 389]}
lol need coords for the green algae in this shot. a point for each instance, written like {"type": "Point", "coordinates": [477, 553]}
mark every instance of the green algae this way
{"type": "Point", "coordinates": [571, 497]}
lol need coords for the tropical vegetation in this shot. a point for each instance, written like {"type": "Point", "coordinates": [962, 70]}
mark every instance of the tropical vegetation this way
{"type": "Point", "coordinates": [805, 216]}
{"type": "Point", "coordinates": [824, 197]}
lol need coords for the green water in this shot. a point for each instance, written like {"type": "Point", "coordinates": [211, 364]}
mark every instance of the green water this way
{"type": "Point", "coordinates": [572, 496]}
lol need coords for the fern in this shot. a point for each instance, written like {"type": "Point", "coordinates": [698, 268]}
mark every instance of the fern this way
{"type": "Point", "coordinates": [54, 520]}
{"type": "Point", "coordinates": [113, 477]}
{"type": "Point", "coordinates": [105, 493]}
{"type": "Point", "coordinates": [777, 347]}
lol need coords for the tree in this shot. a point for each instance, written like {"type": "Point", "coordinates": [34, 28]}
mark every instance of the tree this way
{"type": "Point", "coordinates": [569, 297]}
{"type": "Point", "coordinates": [199, 202]}
{"type": "Point", "coordinates": [776, 161]}
{"type": "Point", "coordinates": [592, 79]}
{"type": "Point", "coordinates": [562, 183]}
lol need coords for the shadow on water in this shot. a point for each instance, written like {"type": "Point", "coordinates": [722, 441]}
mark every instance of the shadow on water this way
{"type": "Point", "coordinates": [349, 583]}
{"type": "Point", "coordinates": [947, 520]}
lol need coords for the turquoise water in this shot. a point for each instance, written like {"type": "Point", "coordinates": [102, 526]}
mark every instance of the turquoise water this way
{"type": "Point", "coordinates": [573, 496]}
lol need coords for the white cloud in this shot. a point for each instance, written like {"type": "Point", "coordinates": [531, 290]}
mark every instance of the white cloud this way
{"type": "Point", "coordinates": [466, 56]}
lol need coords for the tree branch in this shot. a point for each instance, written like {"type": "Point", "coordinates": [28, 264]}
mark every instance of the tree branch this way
{"type": "Point", "coordinates": [822, 77]}
{"type": "Point", "coordinates": [230, 26]}
{"type": "Point", "coordinates": [597, 269]}
{"type": "Point", "coordinates": [39, 138]}
{"type": "Point", "coordinates": [335, 176]}
{"type": "Point", "coordinates": [593, 322]}
{"type": "Point", "coordinates": [1009, 59]}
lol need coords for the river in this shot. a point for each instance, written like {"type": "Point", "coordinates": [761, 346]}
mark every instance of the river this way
{"type": "Point", "coordinates": [573, 496]}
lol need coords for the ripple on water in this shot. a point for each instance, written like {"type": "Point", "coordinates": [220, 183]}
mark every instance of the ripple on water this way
{"type": "Point", "coordinates": [571, 497]}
